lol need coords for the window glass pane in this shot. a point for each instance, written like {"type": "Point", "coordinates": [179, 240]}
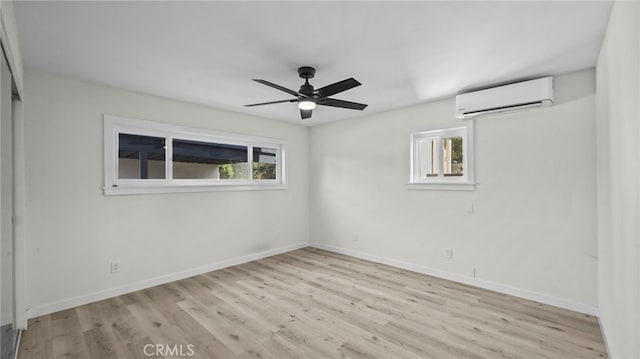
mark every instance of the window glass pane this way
{"type": "Point", "coordinates": [197, 160]}
{"type": "Point", "coordinates": [141, 157]}
{"type": "Point", "coordinates": [452, 156]}
{"type": "Point", "coordinates": [264, 163]}
{"type": "Point", "coordinates": [428, 157]}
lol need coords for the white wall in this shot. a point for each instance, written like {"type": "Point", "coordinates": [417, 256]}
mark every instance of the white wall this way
{"type": "Point", "coordinates": [534, 220]}
{"type": "Point", "coordinates": [75, 231]}
{"type": "Point", "coordinates": [533, 225]}
{"type": "Point", "coordinates": [618, 144]}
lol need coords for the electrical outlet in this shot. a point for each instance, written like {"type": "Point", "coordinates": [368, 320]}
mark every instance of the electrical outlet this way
{"type": "Point", "coordinates": [468, 208]}
{"type": "Point", "coordinates": [115, 267]}
{"type": "Point", "coordinates": [448, 253]}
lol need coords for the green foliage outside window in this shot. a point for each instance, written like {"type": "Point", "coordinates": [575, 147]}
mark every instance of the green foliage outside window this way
{"type": "Point", "coordinates": [263, 170]}
{"type": "Point", "coordinates": [456, 149]}
{"type": "Point", "coordinates": [233, 171]}
{"type": "Point", "coordinates": [239, 171]}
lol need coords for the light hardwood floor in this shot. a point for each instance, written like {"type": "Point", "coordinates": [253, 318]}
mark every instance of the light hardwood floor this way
{"type": "Point", "coordinates": [311, 303]}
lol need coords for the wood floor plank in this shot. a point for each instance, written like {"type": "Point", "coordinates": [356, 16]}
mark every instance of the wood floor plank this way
{"type": "Point", "coordinates": [229, 327]}
{"type": "Point", "coordinates": [155, 325]}
{"type": "Point", "coordinates": [68, 341]}
{"type": "Point", "coordinates": [353, 311]}
{"type": "Point", "coordinates": [142, 348]}
{"type": "Point", "coordinates": [37, 343]}
{"type": "Point", "coordinates": [169, 324]}
{"type": "Point", "coordinates": [100, 345]}
{"type": "Point", "coordinates": [311, 303]}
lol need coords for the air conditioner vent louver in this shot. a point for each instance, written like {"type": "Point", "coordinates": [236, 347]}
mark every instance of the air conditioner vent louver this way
{"type": "Point", "coordinates": [517, 96]}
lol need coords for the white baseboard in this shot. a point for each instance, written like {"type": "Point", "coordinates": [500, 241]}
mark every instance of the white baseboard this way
{"type": "Point", "coordinates": [481, 283]}
{"type": "Point", "coordinates": [604, 335]}
{"type": "Point", "coordinates": [497, 287]}
{"type": "Point", "coordinates": [114, 292]}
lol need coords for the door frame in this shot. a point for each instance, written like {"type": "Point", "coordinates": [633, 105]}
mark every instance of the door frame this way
{"type": "Point", "coordinates": [19, 227]}
{"type": "Point", "coordinates": [10, 49]}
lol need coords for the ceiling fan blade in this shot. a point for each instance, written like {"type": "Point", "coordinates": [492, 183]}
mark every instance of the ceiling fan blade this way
{"type": "Point", "coordinates": [278, 87]}
{"type": "Point", "coordinates": [272, 102]}
{"type": "Point", "coordinates": [337, 87]}
{"type": "Point", "coordinates": [305, 114]}
{"type": "Point", "coordinates": [342, 104]}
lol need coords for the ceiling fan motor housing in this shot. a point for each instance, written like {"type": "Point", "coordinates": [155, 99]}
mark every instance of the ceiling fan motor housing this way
{"type": "Point", "coordinates": [306, 72]}
{"type": "Point", "coordinates": [306, 89]}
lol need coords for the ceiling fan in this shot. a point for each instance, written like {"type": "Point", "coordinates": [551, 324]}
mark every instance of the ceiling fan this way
{"type": "Point", "coordinates": [307, 98]}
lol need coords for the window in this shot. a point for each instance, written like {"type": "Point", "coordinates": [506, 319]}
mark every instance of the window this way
{"type": "Point", "coordinates": [140, 157]}
{"type": "Point", "coordinates": [442, 159]}
{"type": "Point", "coordinates": [264, 163]}
{"type": "Point", "coordinates": [196, 159]}
{"type": "Point", "coordinates": [150, 157]}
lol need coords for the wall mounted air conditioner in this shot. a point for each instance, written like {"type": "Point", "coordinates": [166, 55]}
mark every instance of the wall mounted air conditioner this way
{"type": "Point", "coordinates": [517, 96]}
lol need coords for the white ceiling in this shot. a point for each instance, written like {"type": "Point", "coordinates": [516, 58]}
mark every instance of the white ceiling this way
{"type": "Point", "coordinates": [403, 53]}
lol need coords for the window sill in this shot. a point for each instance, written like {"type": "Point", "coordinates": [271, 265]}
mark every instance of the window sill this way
{"type": "Point", "coordinates": [442, 186]}
{"type": "Point", "coordinates": [114, 191]}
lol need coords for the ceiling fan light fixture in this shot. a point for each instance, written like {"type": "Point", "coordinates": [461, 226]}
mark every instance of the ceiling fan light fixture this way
{"type": "Point", "coordinates": [307, 104]}
{"type": "Point", "coordinates": [308, 97]}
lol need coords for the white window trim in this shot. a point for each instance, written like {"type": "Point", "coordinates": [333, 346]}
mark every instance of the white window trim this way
{"type": "Point", "coordinates": [114, 125]}
{"type": "Point", "coordinates": [463, 183]}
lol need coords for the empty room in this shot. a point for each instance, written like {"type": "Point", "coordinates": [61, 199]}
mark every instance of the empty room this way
{"type": "Point", "coordinates": [320, 179]}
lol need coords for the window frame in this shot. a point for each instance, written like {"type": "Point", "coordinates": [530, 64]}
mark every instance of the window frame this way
{"type": "Point", "coordinates": [442, 182]}
{"type": "Point", "coordinates": [114, 125]}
